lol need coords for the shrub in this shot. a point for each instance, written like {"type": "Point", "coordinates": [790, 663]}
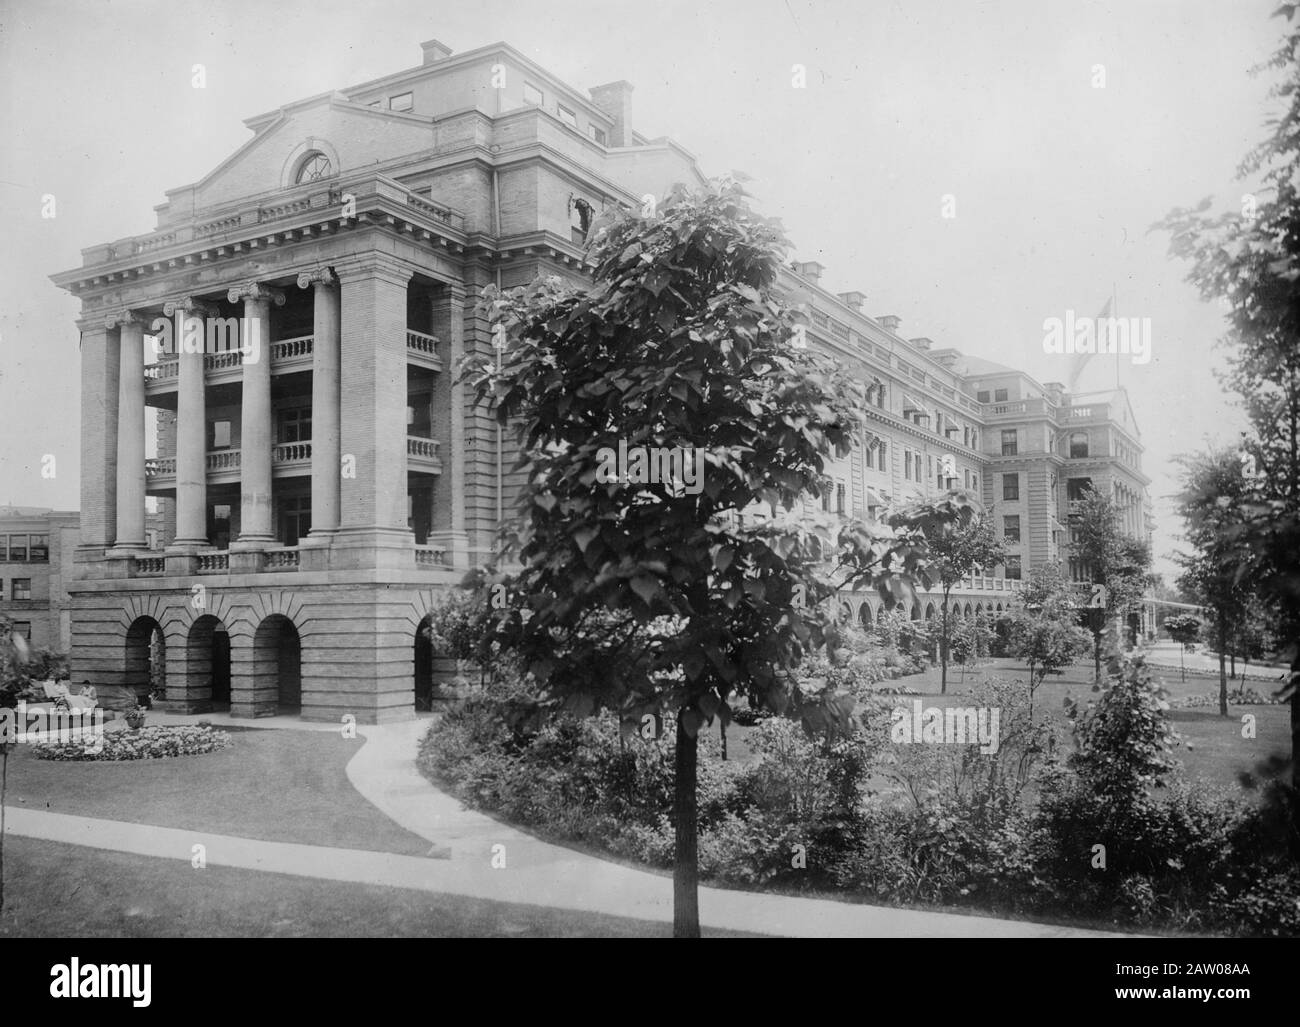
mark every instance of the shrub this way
{"type": "Point", "coordinates": [150, 743]}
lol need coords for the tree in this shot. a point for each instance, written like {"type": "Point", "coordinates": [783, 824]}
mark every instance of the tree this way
{"type": "Point", "coordinates": [971, 641]}
{"type": "Point", "coordinates": [1044, 631]}
{"type": "Point", "coordinates": [1112, 558]}
{"type": "Point", "coordinates": [1248, 259]}
{"type": "Point", "coordinates": [648, 593]}
{"type": "Point", "coordinates": [1186, 629]}
{"type": "Point", "coordinates": [955, 551]}
{"type": "Point", "coordinates": [1213, 488]}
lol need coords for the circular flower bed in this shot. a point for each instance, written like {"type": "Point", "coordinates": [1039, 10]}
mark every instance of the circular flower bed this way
{"type": "Point", "coordinates": [150, 743]}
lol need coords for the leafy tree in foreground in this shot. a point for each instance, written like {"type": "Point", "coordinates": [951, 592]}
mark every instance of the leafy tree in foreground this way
{"type": "Point", "coordinates": [1248, 258]}
{"type": "Point", "coordinates": [955, 551]}
{"type": "Point", "coordinates": [652, 596]}
{"type": "Point", "coordinates": [14, 656]}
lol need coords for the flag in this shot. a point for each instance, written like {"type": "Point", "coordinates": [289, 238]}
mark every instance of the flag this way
{"type": "Point", "coordinates": [1080, 359]}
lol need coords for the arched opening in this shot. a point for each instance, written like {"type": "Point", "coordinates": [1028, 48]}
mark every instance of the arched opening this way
{"type": "Point", "coordinates": [864, 616]}
{"type": "Point", "coordinates": [146, 657]}
{"type": "Point", "coordinates": [207, 662]}
{"type": "Point", "coordinates": [423, 665]}
{"type": "Point", "coordinates": [968, 610]}
{"type": "Point", "coordinates": [277, 667]}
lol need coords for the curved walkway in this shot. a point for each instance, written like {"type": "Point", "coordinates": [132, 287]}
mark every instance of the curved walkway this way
{"type": "Point", "coordinates": [475, 856]}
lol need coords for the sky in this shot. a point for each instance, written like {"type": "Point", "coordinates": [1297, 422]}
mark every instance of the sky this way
{"type": "Point", "coordinates": [1057, 132]}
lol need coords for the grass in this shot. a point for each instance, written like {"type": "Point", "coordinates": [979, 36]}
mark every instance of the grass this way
{"type": "Point", "coordinates": [1212, 751]}
{"type": "Point", "coordinates": [67, 891]}
{"type": "Point", "coordinates": [271, 785]}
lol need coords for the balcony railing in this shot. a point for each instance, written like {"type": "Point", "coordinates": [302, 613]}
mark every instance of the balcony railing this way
{"type": "Point", "coordinates": [292, 452]}
{"type": "Point", "coordinates": [160, 467]}
{"type": "Point", "coordinates": [214, 563]}
{"type": "Point", "coordinates": [426, 448]}
{"type": "Point", "coordinates": [284, 559]}
{"type": "Point", "coordinates": [220, 460]}
{"type": "Point", "coordinates": [290, 349]}
{"type": "Point", "coordinates": [150, 566]}
{"type": "Point", "coordinates": [430, 556]}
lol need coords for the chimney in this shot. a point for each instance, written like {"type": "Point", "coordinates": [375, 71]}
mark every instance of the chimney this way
{"type": "Point", "coordinates": [890, 322]}
{"type": "Point", "coordinates": [921, 342]}
{"type": "Point", "coordinates": [435, 51]}
{"type": "Point", "coordinates": [810, 270]}
{"type": "Point", "coordinates": [853, 299]}
{"type": "Point", "coordinates": [1055, 392]}
{"type": "Point", "coordinates": [947, 358]}
{"type": "Point", "coordinates": [615, 99]}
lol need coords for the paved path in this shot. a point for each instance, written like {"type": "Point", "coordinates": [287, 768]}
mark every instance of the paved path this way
{"type": "Point", "coordinates": [463, 845]}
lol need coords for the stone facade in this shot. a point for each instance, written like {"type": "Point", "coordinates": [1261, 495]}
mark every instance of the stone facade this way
{"type": "Point", "coordinates": [320, 474]}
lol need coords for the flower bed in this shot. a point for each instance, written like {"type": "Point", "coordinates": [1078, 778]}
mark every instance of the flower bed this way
{"type": "Point", "coordinates": [1249, 697]}
{"type": "Point", "coordinates": [150, 743]}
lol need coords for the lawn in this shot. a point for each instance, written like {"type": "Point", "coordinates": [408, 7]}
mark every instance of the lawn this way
{"type": "Point", "coordinates": [1212, 750]}
{"type": "Point", "coordinates": [67, 891]}
{"type": "Point", "coordinates": [272, 785]}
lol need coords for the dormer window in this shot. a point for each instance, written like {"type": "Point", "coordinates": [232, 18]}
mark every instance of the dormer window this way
{"type": "Point", "coordinates": [314, 167]}
{"type": "Point", "coordinates": [401, 102]}
{"type": "Point", "coordinates": [566, 115]}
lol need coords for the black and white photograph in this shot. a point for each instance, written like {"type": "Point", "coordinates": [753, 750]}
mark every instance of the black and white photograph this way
{"type": "Point", "coordinates": [737, 469]}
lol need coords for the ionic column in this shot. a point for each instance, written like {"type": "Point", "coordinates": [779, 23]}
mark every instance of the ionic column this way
{"type": "Point", "coordinates": [101, 364]}
{"type": "Point", "coordinates": [130, 431]}
{"type": "Point", "coordinates": [255, 414]}
{"type": "Point", "coordinates": [191, 430]}
{"type": "Point", "coordinates": [325, 403]}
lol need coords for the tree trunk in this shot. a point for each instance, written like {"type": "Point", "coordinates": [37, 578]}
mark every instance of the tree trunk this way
{"type": "Point", "coordinates": [1096, 656]}
{"type": "Point", "coordinates": [686, 869]}
{"type": "Point", "coordinates": [943, 649]}
{"type": "Point", "coordinates": [724, 739]}
{"type": "Point", "coordinates": [1223, 671]}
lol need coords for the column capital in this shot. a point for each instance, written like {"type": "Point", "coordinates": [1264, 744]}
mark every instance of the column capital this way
{"type": "Point", "coordinates": [317, 276]}
{"type": "Point", "coordinates": [255, 291]}
{"type": "Point", "coordinates": [188, 305]}
{"type": "Point", "coordinates": [123, 317]}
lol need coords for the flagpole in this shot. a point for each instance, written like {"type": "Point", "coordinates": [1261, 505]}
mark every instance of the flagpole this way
{"type": "Point", "coordinates": [1114, 313]}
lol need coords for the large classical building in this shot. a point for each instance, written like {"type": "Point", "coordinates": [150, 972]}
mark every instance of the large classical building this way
{"type": "Point", "coordinates": [290, 331]}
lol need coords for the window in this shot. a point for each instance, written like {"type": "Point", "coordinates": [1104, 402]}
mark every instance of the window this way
{"type": "Point", "coordinates": [1010, 486]}
{"type": "Point", "coordinates": [219, 525]}
{"type": "Point", "coordinates": [2, 589]}
{"type": "Point", "coordinates": [999, 395]}
{"type": "Point", "coordinates": [982, 395]}
{"type": "Point", "coordinates": [1011, 528]}
{"type": "Point", "coordinates": [907, 465]}
{"type": "Point", "coordinates": [839, 498]}
{"type": "Point", "coordinates": [974, 481]}
{"type": "Point", "coordinates": [23, 628]}
{"type": "Point", "coordinates": [532, 94]}
{"type": "Point", "coordinates": [1009, 447]}
{"type": "Point", "coordinates": [880, 456]}
{"type": "Point", "coordinates": [17, 548]}
{"type": "Point", "coordinates": [313, 167]}
{"type": "Point", "coordinates": [22, 589]}
{"type": "Point", "coordinates": [965, 477]}
{"type": "Point", "coordinates": [1013, 568]}
{"type": "Point", "coordinates": [1078, 444]}
{"type": "Point", "coordinates": [566, 115]}
{"type": "Point", "coordinates": [1076, 488]}
{"type": "Point", "coordinates": [295, 519]}
{"type": "Point", "coordinates": [219, 435]}
{"type": "Point", "coordinates": [880, 396]}
{"type": "Point", "coordinates": [597, 134]}
{"type": "Point", "coordinates": [401, 102]}
{"type": "Point", "coordinates": [4, 548]}
{"type": "Point", "coordinates": [295, 425]}
{"type": "Point", "coordinates": [826, 498]}
{"type": "Point", "coordinates": [40, 551]}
